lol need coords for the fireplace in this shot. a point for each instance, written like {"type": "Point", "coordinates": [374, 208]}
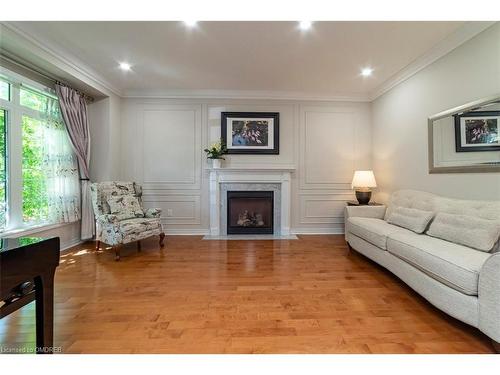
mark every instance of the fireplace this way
{"type": "Point", "coordinates": [250, 212]}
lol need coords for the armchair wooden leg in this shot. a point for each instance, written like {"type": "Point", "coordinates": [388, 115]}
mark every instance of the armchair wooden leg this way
{"type": "Point", "coordinates": [117, 252]}
{"type": "Point", "coordinates": [162, 237]}
{"type": "Point", "coordinates": [97, 245]}
{"type": "Point", "coordinates": [139, 246]}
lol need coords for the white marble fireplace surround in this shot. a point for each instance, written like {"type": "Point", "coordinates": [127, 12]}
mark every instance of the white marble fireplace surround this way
{"type": "Point", "coordinates": [250, 179]}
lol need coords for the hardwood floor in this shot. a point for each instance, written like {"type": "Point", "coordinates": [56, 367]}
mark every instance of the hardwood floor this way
{"type": "Point", "coordinates": [289, 296]}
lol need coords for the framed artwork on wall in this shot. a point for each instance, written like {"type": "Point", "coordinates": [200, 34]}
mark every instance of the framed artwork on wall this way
{"type": "Point", "coordinates": [477, 131]}
{"type": "Point", "coordinates": [250, 132]}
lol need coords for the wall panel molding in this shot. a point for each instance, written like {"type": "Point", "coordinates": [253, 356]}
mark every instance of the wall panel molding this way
{"type": "Point", "coordinates": [327, 148]}
{"type": "Point", "coordinates": [170, 146]}
{"type": "Point", "coordinates": [186, 209]}
{"type": "Point", "coordinates": [321, 209]}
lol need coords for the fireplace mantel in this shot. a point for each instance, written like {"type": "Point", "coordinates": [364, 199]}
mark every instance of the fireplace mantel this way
{"type": "Point", "coordinates": [250, 175]}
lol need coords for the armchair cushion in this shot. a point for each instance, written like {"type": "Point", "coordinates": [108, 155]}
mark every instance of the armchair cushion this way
{"type": "Point", "coordinates": [125, 207]}
{"type": "Point", "coordinates": [136, 229]}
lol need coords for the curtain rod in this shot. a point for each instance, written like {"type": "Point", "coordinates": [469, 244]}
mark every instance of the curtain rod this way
{"type": "Point", "coordinates": [50, 78]}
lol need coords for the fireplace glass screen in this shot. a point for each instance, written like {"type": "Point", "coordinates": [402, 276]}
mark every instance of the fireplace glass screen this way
{"type": "Point", "coordinates": [250, 212]}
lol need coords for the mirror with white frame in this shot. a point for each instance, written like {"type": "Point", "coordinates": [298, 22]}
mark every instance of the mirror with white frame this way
{"type": "Point", "coordinates": [466, 139]}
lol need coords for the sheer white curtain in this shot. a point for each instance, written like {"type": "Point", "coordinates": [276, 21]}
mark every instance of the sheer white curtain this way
{"type": "Point", "coordinates": [60, 169]}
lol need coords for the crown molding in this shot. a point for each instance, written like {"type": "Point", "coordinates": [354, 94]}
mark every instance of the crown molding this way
{"type": "Point", "coordinates": [61, 57]}
{"type": "Point", "coordinates": [448, 44]}
{"type": "Point", "coordinates": [242, 94]}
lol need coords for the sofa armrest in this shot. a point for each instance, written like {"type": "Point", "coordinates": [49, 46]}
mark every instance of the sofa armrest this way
{"type": "Point", "coordinates": [376, 212]}
{"type": "Point", "coordinates": [152, 213]}
{"type": "Point", "coordinates": [489, 297]}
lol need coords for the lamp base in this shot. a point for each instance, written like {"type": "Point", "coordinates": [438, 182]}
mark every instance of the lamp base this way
{"type": "Point", "coordinates": [363, 197]}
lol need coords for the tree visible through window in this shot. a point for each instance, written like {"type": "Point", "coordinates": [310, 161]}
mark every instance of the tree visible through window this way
{"type": "Point", "coordinates": [35, 200]}
{"type": "Point", "coordinates": [3, 167]}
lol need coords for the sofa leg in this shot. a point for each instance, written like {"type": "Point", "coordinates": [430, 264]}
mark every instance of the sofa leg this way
{"type": "Point", "coordinates": [496, 346]}
{"type": "Point", "coordinates": [97, 245]}
{"type": "Point", "coordinates": [117, 252]}
{"type": "Point", "coordinates": [349, 246]}
{"type": "Point", "coordinates": [139, 246]}
{"type": "Point", "coordinates": [162, 237]}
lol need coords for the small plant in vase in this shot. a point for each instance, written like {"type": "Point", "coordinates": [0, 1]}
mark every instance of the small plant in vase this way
{"type": "Point", "coordinates": [215, 152]}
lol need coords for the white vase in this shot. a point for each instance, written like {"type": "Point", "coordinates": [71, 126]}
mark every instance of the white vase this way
{"type": "Point", "coordinates": [216, 163]}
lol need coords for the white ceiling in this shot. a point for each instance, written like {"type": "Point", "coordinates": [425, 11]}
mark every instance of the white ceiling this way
{"type": "Point", "coordinates": [235, 56]}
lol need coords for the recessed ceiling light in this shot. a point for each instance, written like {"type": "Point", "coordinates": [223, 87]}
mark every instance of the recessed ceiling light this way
{"type": "Point", "coordinates": [125, 66]}
{"type": "Point", "coordinates": [366, 72]}
{"type": "Point", "coordinates": [305, 25]}
{"type": "Point", "coordinates": [190, 23]}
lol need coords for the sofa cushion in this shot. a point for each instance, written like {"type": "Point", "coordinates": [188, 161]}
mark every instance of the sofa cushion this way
{"type": "Point", "coordinates": [372, 230]}
{"type": "Point", "coordinates": [454, 265]}
{"type": "Point", "coordinates": [411, 218]}
{"type": "Point", "coordinates": [481, 234]}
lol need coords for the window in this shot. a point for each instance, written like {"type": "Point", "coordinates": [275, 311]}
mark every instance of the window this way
{"type": "Point", "coordinates": [4, 90]}
{"type": "Point", "coordinates": [3, 169]}
{"type": "Point", "coordinates": [42, 185]}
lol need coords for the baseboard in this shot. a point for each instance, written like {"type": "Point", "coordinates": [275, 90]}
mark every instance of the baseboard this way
{"type": "Point", "coordinates": [205, 232]}
{"type": "Point", "coordinates": [317, 231]}
{"type": "Point", "coordinates": [186, 232]}
{"type": "Point", "coordinates": [74, 242]}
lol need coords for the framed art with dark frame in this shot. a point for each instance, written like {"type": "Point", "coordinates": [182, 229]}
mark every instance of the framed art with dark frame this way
{"type": "Point", "coordinates": [477, 131]}
{"type": "Point", "coordinates": [250, 132]}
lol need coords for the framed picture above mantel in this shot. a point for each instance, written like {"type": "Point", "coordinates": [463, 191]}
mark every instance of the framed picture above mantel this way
{"type": "Point", "coordinates": [250, 132]}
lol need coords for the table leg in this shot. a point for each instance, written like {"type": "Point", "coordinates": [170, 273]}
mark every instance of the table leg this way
{"type": "Point", "coordinates": [44, 289]}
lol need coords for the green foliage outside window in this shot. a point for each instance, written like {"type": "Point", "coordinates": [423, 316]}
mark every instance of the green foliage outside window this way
{"type": "Point", "coordinates": [34, 100]}
{"type": "Point", "coordinates": [3, 153]}
{"type": "Point", "coordinates": [35, 198]}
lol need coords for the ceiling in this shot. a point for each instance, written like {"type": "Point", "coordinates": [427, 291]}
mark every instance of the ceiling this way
{"type": "Point", "coordinates": [243, 56]}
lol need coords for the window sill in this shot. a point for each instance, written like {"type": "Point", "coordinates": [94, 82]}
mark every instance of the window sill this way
{"type": "Point", "coordinates": [33, 229]}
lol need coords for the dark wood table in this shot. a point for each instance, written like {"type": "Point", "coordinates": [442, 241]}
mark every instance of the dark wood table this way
{"type": "Point", "coordinates": [27, 268]}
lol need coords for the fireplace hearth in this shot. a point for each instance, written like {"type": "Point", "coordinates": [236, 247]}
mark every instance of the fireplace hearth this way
{"type": "Point", "coordinates": [250, 212]}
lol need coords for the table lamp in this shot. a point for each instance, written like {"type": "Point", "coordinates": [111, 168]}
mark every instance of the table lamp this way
{"type": "Point", "coordinates": [361, 183]}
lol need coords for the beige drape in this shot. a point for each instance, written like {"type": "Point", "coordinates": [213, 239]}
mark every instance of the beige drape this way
{"type": "Point", "coordinates": [74, 112]}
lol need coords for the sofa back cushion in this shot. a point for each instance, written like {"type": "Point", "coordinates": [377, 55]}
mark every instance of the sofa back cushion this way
{"type": "Point", "coordinates": [478, 233]}
{"type": "Point", "coordinates": [414, 199]}
{"type": "Point", "coordinates": [411, 218]}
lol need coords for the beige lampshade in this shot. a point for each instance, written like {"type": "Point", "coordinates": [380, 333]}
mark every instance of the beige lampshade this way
{"type": "Point", "coordinates": [363, 179]}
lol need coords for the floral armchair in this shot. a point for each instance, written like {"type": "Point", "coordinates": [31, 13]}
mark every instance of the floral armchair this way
{"type": "Point", "coordinates": [120, 217]}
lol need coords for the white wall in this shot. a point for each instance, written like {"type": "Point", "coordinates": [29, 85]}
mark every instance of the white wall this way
{"type": "Point", "coordinates": [69, 234]}
{"type": "Point", "coordinates": [104, 119]}
{"type": "Point", "coordinates": [470, 72]}
{"type": "Point", "coordinates": [162, 143]}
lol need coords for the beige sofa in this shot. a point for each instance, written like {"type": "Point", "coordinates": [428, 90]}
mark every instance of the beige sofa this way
{"type": "Point", "coordinates": [458, 279]}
